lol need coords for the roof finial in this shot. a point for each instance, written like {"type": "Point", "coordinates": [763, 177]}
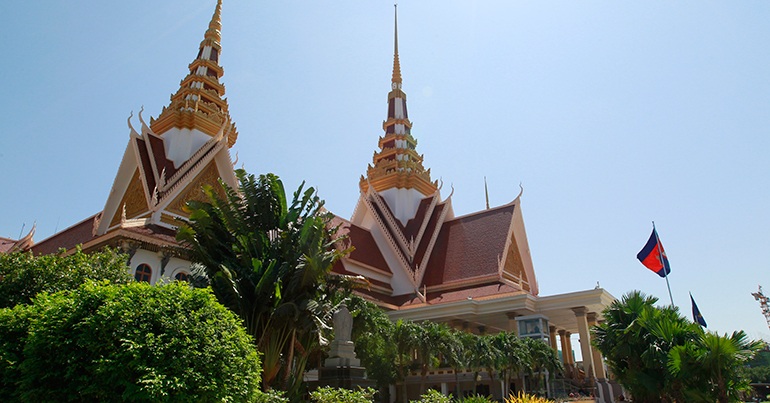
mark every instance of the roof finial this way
{"type": "Point", "coordinates": [486, 192]}
{"type": "Point", "coordinates": [396, 66]}
{"type": "Point", "coordinates": [215, 26]}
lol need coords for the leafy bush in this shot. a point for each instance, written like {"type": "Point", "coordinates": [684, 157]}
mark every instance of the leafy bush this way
{"type": "Point", "coordinates": [433, 396]}
{"type": "Point", "coordinates": [271, 396]}
{"type": "Point", "coordinates": [126, 343]}
{"type": "Point", "coordinates": [25, 275]}
{"type": "Point", "coordinates": [525, 398]}
{"type": "Point", "coordinates": [477, 399]}
{"type": "Point", "coordinates": [339, 395]}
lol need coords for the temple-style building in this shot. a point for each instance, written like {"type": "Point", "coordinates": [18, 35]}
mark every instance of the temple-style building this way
{"type": "Point", "coordinates": [472, 272]}
{"type": "Point", "coordinates": [165, 164]}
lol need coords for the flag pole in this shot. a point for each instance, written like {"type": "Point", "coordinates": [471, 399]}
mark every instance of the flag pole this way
{"type": "Point", "coordinates": [663, 262]}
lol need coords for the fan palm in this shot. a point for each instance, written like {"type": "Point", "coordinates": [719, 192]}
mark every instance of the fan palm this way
{"type": "Point", "coordinates": [708, 366]}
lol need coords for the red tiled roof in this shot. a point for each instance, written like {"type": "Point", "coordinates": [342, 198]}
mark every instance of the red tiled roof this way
{"type": "Point", "coordinates": [77, 234]}
{"type": "Point", "coordinates": [159, 153]}
{"type": "Point", "coordinates": [458, 294]}
{"type": "Point", "coordinates": [144, 159]}
{"type": "Point", "coordinates": [6, 244]}
{"type": "Point", "coordinates": [155, 231]}
{"type": "Point", "coordinates": [366, 250]}
{"type": "Point", "coordinates": [469, 247]}
{"type": "Point", "coordinates": [430, 229]}
{"type": "Point", "coordinates": [339, 268]}
{"type": "Point", "coordinates": [413, 225]}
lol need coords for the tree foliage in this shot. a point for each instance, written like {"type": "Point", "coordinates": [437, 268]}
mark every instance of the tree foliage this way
{"type": "Point", "coordinates": [268, 260]}
{"type": "Point", "coordinates": [659, 355]}
{"type": "Point", "coordinates": [709, 366]}
{"type": "Point", "coordinates": [372, 330]}
{"type": "Point", "coordinates": [339, 395]}
{"type": "Point", "coordinates": [135, 342]}
{"type": "Point", "coordinates": [25, 275]}
{"type": "Point", "coordinates": [386, 350]}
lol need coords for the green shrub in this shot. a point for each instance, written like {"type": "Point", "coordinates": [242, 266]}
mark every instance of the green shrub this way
{"type": "Point", "coordinates": [433, 396]}
{"type": "Point", "coordinates": [25, 275]}
{"type": "Point", "coordinates": [126, 343]}
{"type": "Point", "coordinates": [271, 396]}
{"type": "Point", "coordinates": [339, 395]}
{"type": "Point", "coordinates": [477, 399]}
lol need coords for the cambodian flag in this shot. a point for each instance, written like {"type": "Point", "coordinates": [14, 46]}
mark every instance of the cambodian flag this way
{"type": "Point", "coordinates": [654, 257]}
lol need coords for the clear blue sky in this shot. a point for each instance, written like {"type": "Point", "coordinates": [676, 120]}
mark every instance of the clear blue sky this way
{"type": "Point", "coordinates": [611, 115]}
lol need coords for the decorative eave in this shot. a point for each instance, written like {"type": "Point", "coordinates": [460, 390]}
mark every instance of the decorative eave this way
{"type": "Point", "coordinates": [386, 177]}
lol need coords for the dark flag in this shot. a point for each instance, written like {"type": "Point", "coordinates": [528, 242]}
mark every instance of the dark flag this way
{"type": "Point", "coordinates": [654, 257]}
{"type": "Point", "coordinates": [696, 316]}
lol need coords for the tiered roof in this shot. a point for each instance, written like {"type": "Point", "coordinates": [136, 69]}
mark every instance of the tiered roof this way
{"type": "Point", "coordinates": [410, 246]}
{"type": "Point", "coordinates": [165, 164]}
{"type": "Point", "coordinates": [397, 164]}
{"type": "Point", "coordinates": [198, 104]}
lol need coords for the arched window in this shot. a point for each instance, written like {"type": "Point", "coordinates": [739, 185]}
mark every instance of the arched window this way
{"type": "Point", "coordinates": [181, 276]}
{"type": "Point", "coordinates": [143, 273]}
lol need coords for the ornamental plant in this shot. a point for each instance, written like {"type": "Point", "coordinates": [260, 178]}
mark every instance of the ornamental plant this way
{"type": "Point", "coordinates": [340, 395]}
{"type": "Point", "coordinates": [525, 398]}
{"type": "Point", "coordinates": [130, 343]}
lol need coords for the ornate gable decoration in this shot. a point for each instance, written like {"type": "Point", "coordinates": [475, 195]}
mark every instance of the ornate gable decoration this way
{"type": "Point", "coordinates": [162, 181]}
{"type": "Point", "coordinates": [412, 244]}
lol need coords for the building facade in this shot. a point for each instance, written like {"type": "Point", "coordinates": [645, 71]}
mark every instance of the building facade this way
{"type": "Point", "coordinates": [472, 272]}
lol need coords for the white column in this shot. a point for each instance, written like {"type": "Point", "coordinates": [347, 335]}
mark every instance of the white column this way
{"type": "Point", "coordinates": [597, 356]}
{"type": "Point", "coordinates": [512, 327]}
{"type": "Point", "coordinates": [585, 341]}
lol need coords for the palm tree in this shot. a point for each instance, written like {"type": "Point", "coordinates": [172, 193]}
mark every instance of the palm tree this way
{"type": "Point", "coordinates": [488, 356]}
{"type": "Point", "coordinates": [453, 351]}
{"type": "Point", "coordinates": [623, 341]}
{"type": "Point", "coordinates": [404, 338]}
{"type": "Point", "coordinates": [668, 329]}
{"type": "Point", "coordinates": [541, 358]}
{"type": "Point", "coordinates": [514, 357]}
{"type": "Point", "coordinates": [267, 261]}
{"type": "Point", "coordinates": [471, 356]}
{"type": "Point", "coordinates": [372, 334]}
{"type": "Point", "coordinates": [709, 365]}
{"type": "Point", "coordinates": [430, 338]}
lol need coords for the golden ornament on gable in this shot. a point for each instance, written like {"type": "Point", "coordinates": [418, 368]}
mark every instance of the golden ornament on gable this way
{"type": "Point", "coordinates": [194, 191]}
{"type": "Point", "coordinates": [134, 200]}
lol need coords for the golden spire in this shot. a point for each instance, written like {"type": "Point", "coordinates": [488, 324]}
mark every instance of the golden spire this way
{"type": "Point", "coordinates": [397, 164]}
{"type": "Point", "coordinates": [215, 26]}
{"type": "Point", "coordinates": [199, 102]}
{"type": "Point", "coordinates": [396, 66]}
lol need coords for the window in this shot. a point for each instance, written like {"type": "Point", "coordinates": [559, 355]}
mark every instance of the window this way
{"type": "Point", "coordinates": [143, 273]}
{"type": "Point", "coordinates": [181, 276]}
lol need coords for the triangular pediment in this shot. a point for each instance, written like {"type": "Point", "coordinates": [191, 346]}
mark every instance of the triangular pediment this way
{"type": "Point", "coordinates": [194, 190]}
{"type": "Point", "coordinates": [133, 204]}
{"type": "Point", "coordinates": [410, 244]}
{"type": "Point", "coordinates": [149, 186]}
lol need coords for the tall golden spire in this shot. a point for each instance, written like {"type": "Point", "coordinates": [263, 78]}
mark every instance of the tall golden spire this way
{"type": "Point", "coordinates": [396, 66]}
{"type": "Point", "coordinates": [397, 164]}
{"type": "Point", "coordinates": [199, 102]}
